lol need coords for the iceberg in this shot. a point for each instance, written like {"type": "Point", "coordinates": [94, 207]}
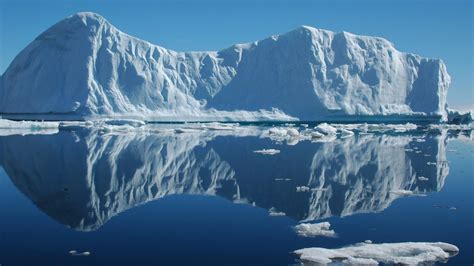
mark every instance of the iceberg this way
{"type": "Point", "coordinates": [85, 68]}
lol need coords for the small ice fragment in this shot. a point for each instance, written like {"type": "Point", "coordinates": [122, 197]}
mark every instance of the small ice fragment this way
{"type": "Point", "coordinates": [422, 178]}
{"type": "Point", "coordinates": [302, 189]}
{"type": "Point", "coordinates": [267, 151]}
{"type": "Point", "coordinates": [274, 212]}
{"type": "Point", "coordinates": [368, 241]}
{"type": "Point", "coordinates": [313, 230]}
{"type": "Point", "coordinates": [453, 208]}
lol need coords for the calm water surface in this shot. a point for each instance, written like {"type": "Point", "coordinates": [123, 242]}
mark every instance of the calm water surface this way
{"type": "Point", "coordinates": [203, 197]}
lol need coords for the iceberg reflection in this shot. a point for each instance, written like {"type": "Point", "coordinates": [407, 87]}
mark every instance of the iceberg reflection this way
{"type": "Point", "coordinates": [82, 178]}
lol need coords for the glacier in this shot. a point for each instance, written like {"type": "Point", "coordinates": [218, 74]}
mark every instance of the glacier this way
{"type": "Point", "coordinates": [84, 68]}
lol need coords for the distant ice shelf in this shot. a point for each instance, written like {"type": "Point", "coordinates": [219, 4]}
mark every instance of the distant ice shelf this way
{"type": "Point", "coordinates": [85, 68]}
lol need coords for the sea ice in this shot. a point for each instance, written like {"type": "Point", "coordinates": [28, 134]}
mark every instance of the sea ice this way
{"type": "Point", "coordinates": [410, 253]}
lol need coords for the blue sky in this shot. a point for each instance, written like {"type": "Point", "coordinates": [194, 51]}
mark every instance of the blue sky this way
{"type": "Point", "coordinates": [432, 28]}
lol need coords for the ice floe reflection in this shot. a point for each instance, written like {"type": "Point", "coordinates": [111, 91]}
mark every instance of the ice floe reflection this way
{"type": "Point", "coordinates": [82, 177]}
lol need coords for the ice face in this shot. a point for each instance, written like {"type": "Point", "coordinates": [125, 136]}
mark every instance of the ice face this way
{"type": "Point", "coordinates": [85, 67]}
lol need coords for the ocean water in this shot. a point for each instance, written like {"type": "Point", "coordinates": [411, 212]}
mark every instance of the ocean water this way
{"type": "Point", "coordinates": [204, 197]}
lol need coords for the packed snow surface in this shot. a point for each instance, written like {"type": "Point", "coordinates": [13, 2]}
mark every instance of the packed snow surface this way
{"type": "Point", "coordinates": [409, 253]}
{"type": "Point", "coordinates": [84, 67]}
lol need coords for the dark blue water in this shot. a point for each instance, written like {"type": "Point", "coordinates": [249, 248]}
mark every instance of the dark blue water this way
{"type": "Point", "coordinates": [203, 198]}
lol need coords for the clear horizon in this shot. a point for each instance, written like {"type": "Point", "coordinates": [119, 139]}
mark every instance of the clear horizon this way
{"type": "Point", "coordinates": [436, 29]}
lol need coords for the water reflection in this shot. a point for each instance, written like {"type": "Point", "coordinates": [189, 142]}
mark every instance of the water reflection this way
{"type": "Point", "coordinates": [82, 178]}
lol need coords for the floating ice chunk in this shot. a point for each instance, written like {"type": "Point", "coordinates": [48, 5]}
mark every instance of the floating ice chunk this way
{"type": "Point", "coordinates": [422, 178]}
{"type": "Point", "coordinates": [325, 129]}
{"type": "Point", "coordinates": [431, 163]}
{"type": "Point", "coordinates": [32, 125]}
{"type": "Point", "coordinates": [302, 189]}
{"type": "Point", "coordinates": [314, 230]}
{"type": "Point", "coordinates": [368, 241]}
{"type": "Point", "coordinates": [267, 151]}
{"type": "Point", "coordinates": [410, 253]}
{"type": "Point", "coordinates": [75, 253]}
{"type": "Point", "coordinates": [319, 189]}
{"type": "Point", "coordinates": [274, 212]}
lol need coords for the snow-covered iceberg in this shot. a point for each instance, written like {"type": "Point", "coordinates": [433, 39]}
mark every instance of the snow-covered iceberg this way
{"type": "Point", "coordinates": [84, 67]}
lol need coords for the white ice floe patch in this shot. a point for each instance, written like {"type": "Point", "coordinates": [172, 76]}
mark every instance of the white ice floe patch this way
{"type": "Point", "coordinates": [10, 127]}
{"type": "Point", "coordinates": [75, 253]}
{"type": "Point", "coordinates": [410, 253]}
{"type": "Point", "coordinates": [267, 151]}
{"type": "Point", "coordinates": [273, 212]}
{"type": "Point", "coordinates": [325, 129]}
{"type": "Point", "coordinates": [422, 178]}
{"type": "Point", "coordinates": [314, 230]}
{"type": "Point", "coordinates": [302, 189]}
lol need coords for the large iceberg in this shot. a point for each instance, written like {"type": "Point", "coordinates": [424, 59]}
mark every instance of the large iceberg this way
{"type": "Point", "coordinates": [83, 67]}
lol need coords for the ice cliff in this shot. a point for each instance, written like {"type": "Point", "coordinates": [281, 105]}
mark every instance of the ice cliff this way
{"type": "Point", "coordinates": [83, 67]}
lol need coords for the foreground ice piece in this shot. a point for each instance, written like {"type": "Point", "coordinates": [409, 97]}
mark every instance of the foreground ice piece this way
{"type": "Point", "coordinates": [85, 67]}
{"type": "Point", "coordinates": [411, 253]}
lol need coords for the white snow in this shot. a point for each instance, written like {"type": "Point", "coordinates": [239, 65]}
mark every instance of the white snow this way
{"type": "Point", "coordinates": [267, 151]}
{"type": "Point", "coordinates": [314, 230]}
{"type": "Point", "coordinates": [410, 253]}
{"type": "Point", "coordinates": [109, 74]}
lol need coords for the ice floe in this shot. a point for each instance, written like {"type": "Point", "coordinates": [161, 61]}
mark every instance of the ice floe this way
{"type": "Point", "coordinates": [267, 151]}
{"type": "Point", "coordinates": [10, 127]}
{"type": "Point", "coordinates": [273, 212]}
{"type": "Point", "coordinates": [314, 230]}
{"type": "Point", "coordinates": [410, 253]}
